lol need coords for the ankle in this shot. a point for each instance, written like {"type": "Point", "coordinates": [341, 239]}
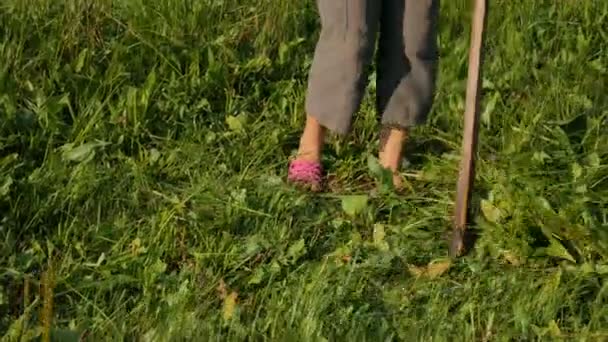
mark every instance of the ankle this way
{"type": "Point", "coordinates": [311, 156]}
{"type": "Point", "coordinates": [312, 140]}
{"type": "Point", "coordinates": [391, 147]}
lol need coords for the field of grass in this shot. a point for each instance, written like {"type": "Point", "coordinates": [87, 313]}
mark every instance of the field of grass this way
{"type": "Point", "coordinates": [143, 152]}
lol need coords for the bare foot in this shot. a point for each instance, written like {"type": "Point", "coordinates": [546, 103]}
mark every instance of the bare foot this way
{"type": "Point", "coordinates": [306, 170]}
{"type": "Point", "coordinates": [312, 140]}
{"type": "Point", "coordinates": [391, 148]}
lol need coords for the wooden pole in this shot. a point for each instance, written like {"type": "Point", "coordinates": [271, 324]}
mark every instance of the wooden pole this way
{"type": "Point", "coordinates": [469, 141]}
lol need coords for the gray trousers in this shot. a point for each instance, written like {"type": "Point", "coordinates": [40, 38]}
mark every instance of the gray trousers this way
{"type": "Point", "coordinates": [406, 61]}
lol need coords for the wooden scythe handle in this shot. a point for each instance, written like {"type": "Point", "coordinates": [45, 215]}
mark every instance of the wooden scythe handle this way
{"type": "Point", "coordinates": [471, 118]}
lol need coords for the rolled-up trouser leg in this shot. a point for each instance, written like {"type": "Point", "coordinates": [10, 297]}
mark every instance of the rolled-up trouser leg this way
{"type": "Point", "coordinates": [407, 61]}
{"type": "Point", "coordinates": [337, 77]}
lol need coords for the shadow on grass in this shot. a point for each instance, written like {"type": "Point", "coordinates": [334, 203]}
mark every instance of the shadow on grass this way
{"type": "Point", "coordinates": [417, 151]}
{"type": "Point", "coordinates": [469, 236]}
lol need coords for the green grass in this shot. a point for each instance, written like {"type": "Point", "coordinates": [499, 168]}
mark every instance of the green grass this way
{"type": "Point", "coordinates": [143, 151]}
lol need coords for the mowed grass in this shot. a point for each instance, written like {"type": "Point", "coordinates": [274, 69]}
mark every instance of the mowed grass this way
{"type": "Point", "coordinates": [143, 152]}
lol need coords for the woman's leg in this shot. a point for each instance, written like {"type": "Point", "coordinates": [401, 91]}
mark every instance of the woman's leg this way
{"type": "Point", "coordinates": [312, 140]}
{"type": "Point", "coordinates": [337, 77]}
{"type": "Point", "coordinates": [407, 63]}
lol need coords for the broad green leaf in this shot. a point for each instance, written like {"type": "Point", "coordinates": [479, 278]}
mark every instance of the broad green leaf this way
{"type": "Point", "coordinates": [236, 123]}
{"type": "Point", "coordinates": [274, 267]}
{"type": "Point", "coordinates": [489, 108]}
{"type": "Point", "coordinates": [9, 159]}
{"type": "Point", "coordinates": [432, 270]}
{"type": "Point", "coordinates": [258, 276]}
{"type": "Point", "coordinates": [544, 204]}
{"type": "Point", "coordinates": [147, 89]}
{"type": "Point", "coordinates": [252, 245]}
{"type": "Point", "coordinates": [374, 166]}
{"type": "Point", "coordinates": [81, 59]}
{"type": "Point", "coordinates": [154, 155]}
{"type": "Point", "coordinates": [296, 250]}
{"type": "Point", "coordinates": [577, 171]}
{"type": "Point", "coordinates": [137, 247]}
{"type": "Point", "coordinates": [490, 212]}
{"type": "Point", "coordinates": [283, 49]}
{"type": "Point", "coordinates": [158, 267]}
{"type": "Point", "coordinates": [553, 329]}
{"type": "Point", "coordinates": [150, 82]}
{"type": "Point", "coordinates": [380, 173]}
{"type": "Point", "coordinates": [512, 258]}
{"type": "Point", "coordinates": [79, 153]}
{"type": "Point", "coordinates": [6, 186]}
{"type": "Point", "coordinates": [557, 250]}
{"type": "Point", "coordinates": [355, 204]}
{"type": "Point", "coordinates": [593, 160]}
{"type": "Point", "coordinates": [438, 268]}
{"type": "Point", "coordinates": [540, 156]}
{"type": "Point", "coordinates": [601, 269]}
{"type": "Point", "coordinates": [210, 57]}
{"type": "Point", "coordinates": [587, 268]}
{"type": "Point", "coordinates": [598, 65]}
{"type": "Point", "coordinates": [82, 152]}
{"type": "Point", "coordinates": [210, 137]}
{"type": "Point", "coordinates": [379, 235]}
